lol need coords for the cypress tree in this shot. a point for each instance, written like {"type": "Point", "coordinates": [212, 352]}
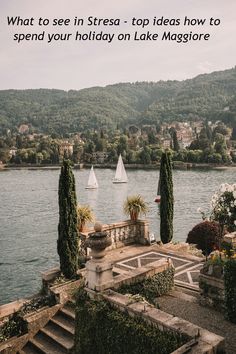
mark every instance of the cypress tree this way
{"type": "Point", "coordinates": [175, 141]}
{"type": "Point", "coordinates": [67, 243]}
{"type": "Point", "coordinates": [167, 199]}
{"type": "Point", "coordinates": [233, 137]}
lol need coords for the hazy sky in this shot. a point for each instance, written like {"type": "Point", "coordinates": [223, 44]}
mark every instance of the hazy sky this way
{"type": "Point", "coordinates": [75, 65]}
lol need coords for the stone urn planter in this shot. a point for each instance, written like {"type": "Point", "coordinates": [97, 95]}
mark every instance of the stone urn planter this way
{"type": "Point", "coordinates": [99, 274]}
{"type": "Point", "coordinates": [98, 241]}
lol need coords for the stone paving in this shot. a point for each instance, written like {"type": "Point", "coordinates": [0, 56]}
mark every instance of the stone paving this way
{"type": "Point", "coordinates": [204, 317]}
{"type": "Point", "coordinates": [187, 268]}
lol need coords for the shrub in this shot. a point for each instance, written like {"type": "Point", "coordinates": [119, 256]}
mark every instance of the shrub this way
{"type": "Point", "coordinates": [153, 287]}
{"type": "Point", "coordinates": [15, 326]}
{"type": "Point", "coordinates": [230, 289]}
{"type": "Point", "coordinates": [206, 235]}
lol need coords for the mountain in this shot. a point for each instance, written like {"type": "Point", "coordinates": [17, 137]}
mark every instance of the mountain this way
{"type": "Point", "coordinates": [208, 96]}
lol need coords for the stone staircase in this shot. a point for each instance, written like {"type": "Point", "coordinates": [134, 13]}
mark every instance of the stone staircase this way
{"type": "Point", "coordinates": [57, 337]}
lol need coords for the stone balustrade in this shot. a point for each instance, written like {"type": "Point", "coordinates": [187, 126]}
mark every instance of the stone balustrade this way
{"type": "Point", "coordinates": [126, 232]}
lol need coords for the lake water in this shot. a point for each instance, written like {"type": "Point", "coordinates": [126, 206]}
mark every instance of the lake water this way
{"type": "Point", "coordinates": [29, 215]}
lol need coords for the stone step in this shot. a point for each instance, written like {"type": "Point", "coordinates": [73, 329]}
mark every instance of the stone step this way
{"type": "Point", "coordinates": [65, 316]}
{"type": "Point", "coordinates": [184, 296]}
{"type": "Point", "coordinates": [65, 324]}
{"type": "Point", "coordinates": [59, 335]}
{"type": "Point", "coordinates": [187, 290]}
{"type": "Point", "coordinates": [187, 286]}
{"type": "Point", "coordinates": [47, 344]}
{"type": "Point", "coordinates": [68, 311]}
{"type": "Point", "coordinates": [30, 348]}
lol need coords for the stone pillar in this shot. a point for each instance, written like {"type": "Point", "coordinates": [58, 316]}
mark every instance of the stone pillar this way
{"type": "Point", "coordinates": [99, 272]}
{"type": "Point", "coordinates": [143, 233]}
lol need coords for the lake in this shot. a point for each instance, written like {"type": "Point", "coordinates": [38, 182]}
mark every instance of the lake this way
{"type": "Point", "coordinates": [29, 214]}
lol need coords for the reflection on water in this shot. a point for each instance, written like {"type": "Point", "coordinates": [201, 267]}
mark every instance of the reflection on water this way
{"type": "Point", "coordinates": [29, 215]}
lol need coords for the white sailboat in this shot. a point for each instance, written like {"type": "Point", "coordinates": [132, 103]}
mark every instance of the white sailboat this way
{"type": "Point", "coordinates": [92, 181]}
{"type": "Point", "coordinates": [120, 176]}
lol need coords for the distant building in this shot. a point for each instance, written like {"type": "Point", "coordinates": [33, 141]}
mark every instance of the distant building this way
{"type": "Point", "coordinates": [185, 136]}
{"type": "Point", "coordinates": [12, 151]}
{"type": "Point", "coordinates": [31, 137]}
{"type": "Point", "coordinates": [23, 129]}
{"type": "Point", "coordinates": [66, 149]}
{"type": "Point", "coordinates": [133, 143]}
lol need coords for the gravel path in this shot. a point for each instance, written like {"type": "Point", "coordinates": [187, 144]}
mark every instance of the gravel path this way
{"type": "Point", "coordinates": [201, 316]}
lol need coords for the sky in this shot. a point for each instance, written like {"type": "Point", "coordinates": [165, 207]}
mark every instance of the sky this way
{"type": "Point", "coordinates": [76, 65]}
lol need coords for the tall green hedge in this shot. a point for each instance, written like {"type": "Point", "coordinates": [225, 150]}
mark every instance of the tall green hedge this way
{"type": "Point", "coordinates": [230, 289]}
{"type": "Point", "coordinates": [167, 199]}
{"type": "Point", "coordinates": [67, 243]}
{"type": "Point", "coordinates": [102, 329]}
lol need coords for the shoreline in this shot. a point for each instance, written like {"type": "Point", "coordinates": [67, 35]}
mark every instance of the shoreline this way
{"type": "Point", "coordinates": [176, 165]}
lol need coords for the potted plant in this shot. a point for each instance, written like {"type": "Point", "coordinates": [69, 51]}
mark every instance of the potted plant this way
{"type": "Point", "coordinates": [134, 206]}
{"type": "Point", "coordinates": [84, 215]}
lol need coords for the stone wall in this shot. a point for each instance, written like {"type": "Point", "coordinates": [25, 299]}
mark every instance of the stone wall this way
{"type": "Point", "coordinates": [65, 292]}
{"type": "Point", "coordinates": [211, 284]}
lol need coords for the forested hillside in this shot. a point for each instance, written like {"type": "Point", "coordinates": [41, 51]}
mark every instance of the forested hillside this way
{"type": "Point", "coordinates": [210, 96]}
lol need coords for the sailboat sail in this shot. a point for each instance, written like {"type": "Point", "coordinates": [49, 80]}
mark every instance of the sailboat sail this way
{"type": "Point", "coordinates": [120, 176]}
{"type": "Point", "coordinates": [92, 181]}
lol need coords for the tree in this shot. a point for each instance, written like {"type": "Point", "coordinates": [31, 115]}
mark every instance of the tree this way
{"type": "Point", "coordinates": [221, 129]}
{"type": "Point", "coordinates": [223, 205]}
{"type": "Point", "coordinates": [167, 199]}
{"type": "Point", "coordinates": [145, 155]}
{"type": "Point", "coordinates": [67, 244]}
{"type": "Point", "coordinates": [206, 236]}
{"type": "Point", "coordinates": [215, 158]}
{"type": "Point", "coordinates": [220, 144]}
{"type": "Point", "coordinates": [130, 156]}
{"type": "Point", "coordinates": [175, 141]}
{"type": "Point", "coordinates": [152, 139]}
{"type": "Point", "coordinates": [233, 137]}
{"type": "Point", "coordinates": [122, 145]}
{"type": "Point", "coordinates": [89, 147]}
{"type": "Point", "coordinates": [194, 155]}
{"type": "Point", "coordinates": [4, 155]}
{"type": "Point", "coordinates": [208, 131]}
